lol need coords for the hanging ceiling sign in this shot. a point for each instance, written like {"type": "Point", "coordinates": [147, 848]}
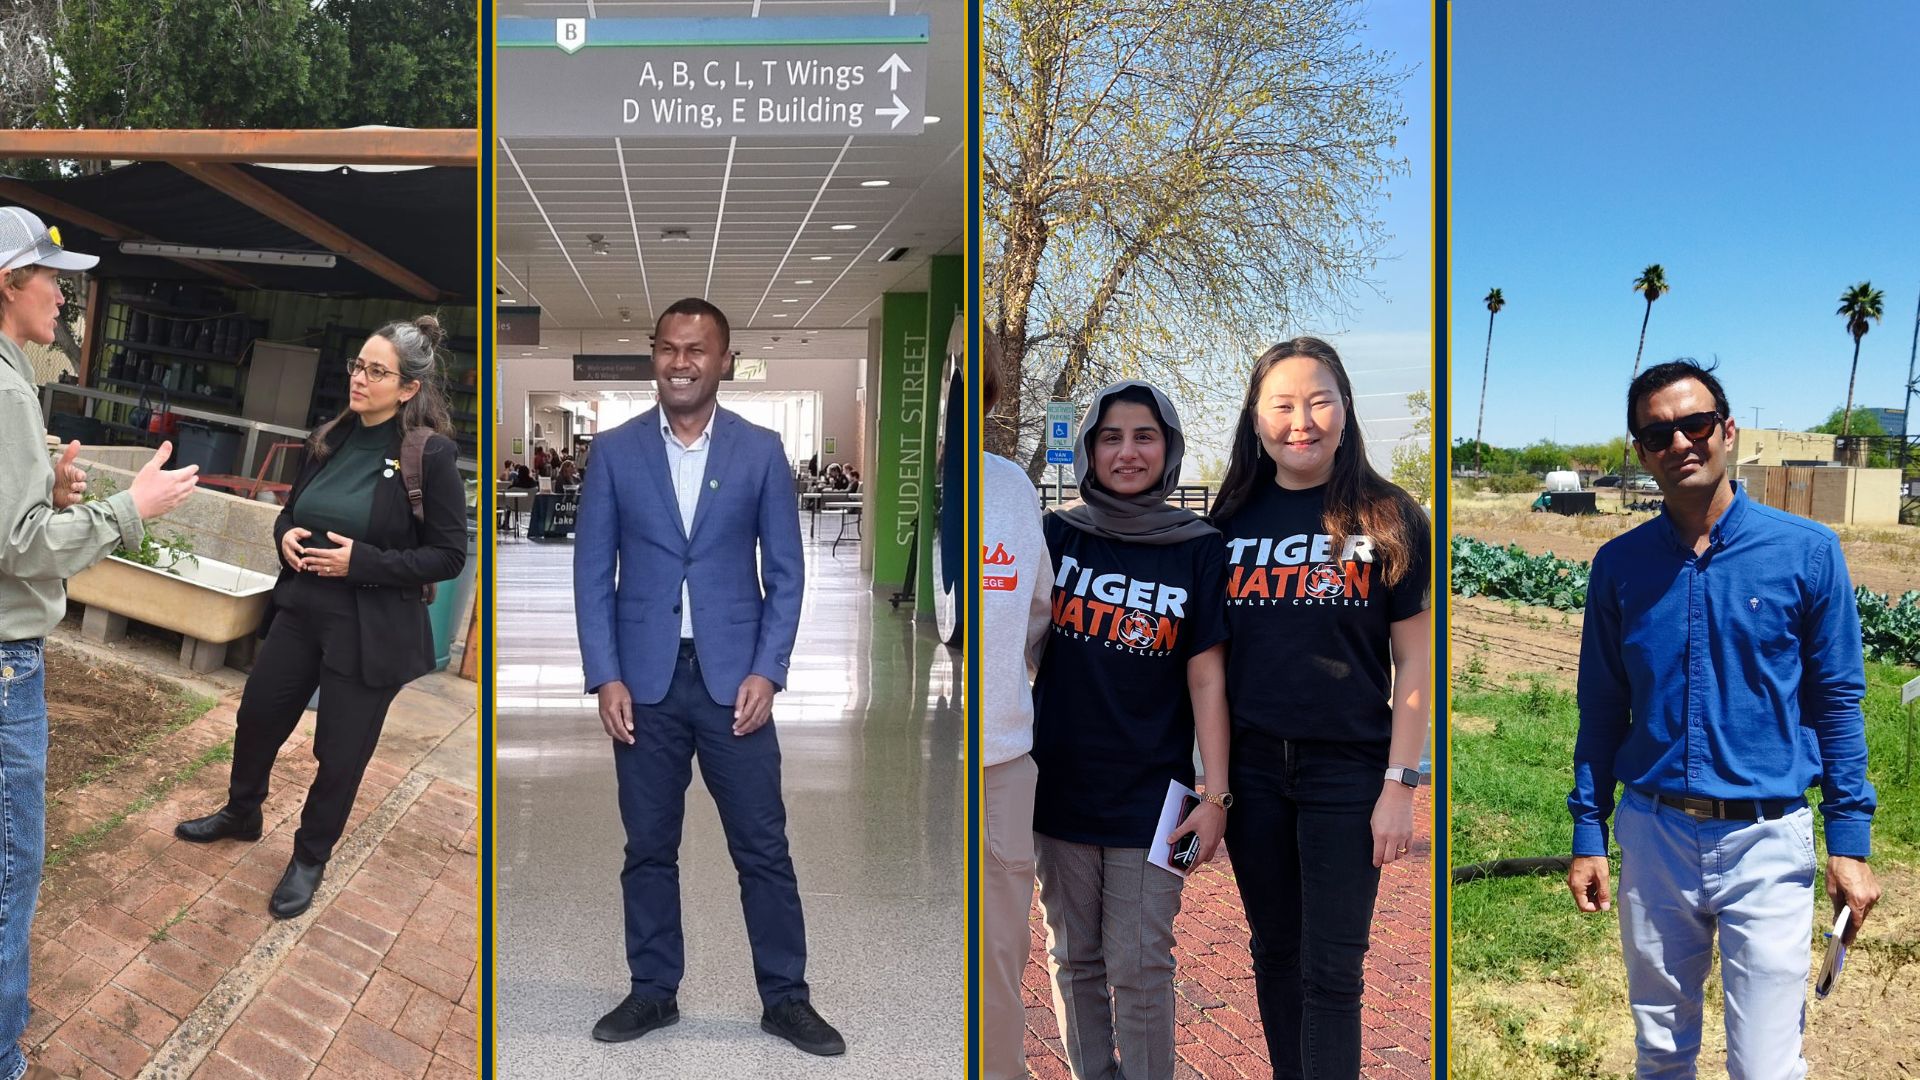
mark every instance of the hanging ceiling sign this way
{"type": "Point", "coordinates": [666, 78]}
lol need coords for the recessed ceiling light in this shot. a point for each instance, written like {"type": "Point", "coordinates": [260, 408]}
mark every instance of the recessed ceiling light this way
{"type": "Point", "coordinates": [781, 315]}
{"type": "Point", "coordinates": [508, 300]}
{"type": "Point", "coordinates": [804, 281]}
{"type": "Point", "coordinates": [875, 183]}
{"type": "Point", "coordinates": [623, 340]}
{"type": "Point", "coordinates": [766, 348]}
{"type": "Point", "coordinates": [543, 348]}
{"type": "Point", "coordinates": [789, 301]}
{"type": "Point", "coordinates": [845, 228]}
{"type": "Point", "coordinates": [821, 258]}
{"type": "Point", "coordinates": [929, 119]}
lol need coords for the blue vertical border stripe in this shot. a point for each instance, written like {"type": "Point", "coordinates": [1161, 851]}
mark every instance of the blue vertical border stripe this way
{"type": "Point", "coordinates": [970, 585]}
{"type": "Point", "coordinates": [1443, 531]}
{"type": "Point", "coordinates": [484, 675]}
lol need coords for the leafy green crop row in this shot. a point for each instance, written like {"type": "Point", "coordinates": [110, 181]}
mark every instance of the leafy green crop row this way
{"type": "Point", "coordinates": [1510, 573]}
{"type": "Point", "coordinates": [1889, 627]}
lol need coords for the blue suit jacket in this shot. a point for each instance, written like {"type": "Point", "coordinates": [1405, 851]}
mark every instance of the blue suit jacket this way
{"type": "Point", "coordinates": [741, 561]}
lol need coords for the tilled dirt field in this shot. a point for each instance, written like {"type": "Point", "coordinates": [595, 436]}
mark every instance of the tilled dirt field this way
{"type": "Point", "coordinates": [1868, 1028]}
{"type": "Point", "coordinates": [97, 712]}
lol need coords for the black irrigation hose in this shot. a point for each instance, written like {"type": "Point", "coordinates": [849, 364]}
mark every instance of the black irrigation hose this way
{"type": "Point", "coordinates": [1559, 864]}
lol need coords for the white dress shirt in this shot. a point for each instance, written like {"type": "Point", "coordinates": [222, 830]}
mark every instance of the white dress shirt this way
{"type": "Point", "coordinates": [686, 467]}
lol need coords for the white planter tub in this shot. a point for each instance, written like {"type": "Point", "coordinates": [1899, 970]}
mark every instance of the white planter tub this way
{"type": "Point", "coordinates": [209, 602]}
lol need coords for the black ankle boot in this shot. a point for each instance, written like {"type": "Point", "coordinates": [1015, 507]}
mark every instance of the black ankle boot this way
{"type": "Point", "coordinates": [294, 894]}
{"type": "Point", "coordinates": [222, 824]}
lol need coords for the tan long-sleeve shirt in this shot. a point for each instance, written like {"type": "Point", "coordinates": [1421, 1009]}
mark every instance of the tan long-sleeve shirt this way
{"type": "Point", "coordinates": [41, 547]}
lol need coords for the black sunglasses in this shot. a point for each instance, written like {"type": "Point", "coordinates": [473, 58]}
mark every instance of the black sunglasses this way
{"type": "Point", "coordinates": [1657, 437]}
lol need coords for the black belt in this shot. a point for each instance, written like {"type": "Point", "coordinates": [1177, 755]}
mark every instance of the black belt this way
{"type": "Point", "coordinates": [1729, 809]}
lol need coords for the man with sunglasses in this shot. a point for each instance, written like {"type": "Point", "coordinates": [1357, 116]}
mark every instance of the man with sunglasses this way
{"type": "Point", "coordinates": [1720, 677]}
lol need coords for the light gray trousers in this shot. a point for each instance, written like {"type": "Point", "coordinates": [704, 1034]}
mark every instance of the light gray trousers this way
{"type": "Point", "coordinates": [1109, 917]}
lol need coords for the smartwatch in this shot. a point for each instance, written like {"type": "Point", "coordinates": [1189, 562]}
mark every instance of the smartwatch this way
{"type": "Point", "coordinates": [1409, 777]}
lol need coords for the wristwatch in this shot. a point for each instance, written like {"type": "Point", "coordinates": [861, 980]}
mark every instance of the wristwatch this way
{"type": "Point", "coordinates": [1221, 799]}
{"type": "Point", "coordinates": [1409, 777]}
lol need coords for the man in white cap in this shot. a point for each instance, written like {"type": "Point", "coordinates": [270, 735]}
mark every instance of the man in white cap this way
{"type": "Point", "coordinates": [47, 534]}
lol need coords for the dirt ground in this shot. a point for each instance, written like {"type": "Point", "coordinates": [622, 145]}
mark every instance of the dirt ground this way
{"type": "Point", "coordinates": [97, 712]}
{"type": "Point", "coordinates": [1885, 559]}
{"type": "Point", "coordinates": [1868, 1028]}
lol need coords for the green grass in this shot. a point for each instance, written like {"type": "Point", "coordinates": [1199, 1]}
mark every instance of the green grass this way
{"type": "Point", "coordinates": [83, 842]}
{"type": "Point", "coordinates": [1508, 800]}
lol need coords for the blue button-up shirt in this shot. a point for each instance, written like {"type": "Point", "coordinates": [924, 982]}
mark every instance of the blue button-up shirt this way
{"type": "Point", "coordinates": [1733, 674]}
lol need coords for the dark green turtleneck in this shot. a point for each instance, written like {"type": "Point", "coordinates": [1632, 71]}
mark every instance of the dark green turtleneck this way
{"type": "Point", "coordinates": [339, 498]}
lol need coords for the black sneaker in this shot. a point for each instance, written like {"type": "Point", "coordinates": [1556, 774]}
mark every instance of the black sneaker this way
{"type": "Point", "coordinates": [795, 1021]}
{"type": "Point", "coordinates": [635, 1017]}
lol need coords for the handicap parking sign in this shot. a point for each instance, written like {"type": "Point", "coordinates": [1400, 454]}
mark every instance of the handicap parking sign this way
{"type": "Point", "coordinates": [1060, 431]}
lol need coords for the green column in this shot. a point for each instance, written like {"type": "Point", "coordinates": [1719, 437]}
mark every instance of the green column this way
{"type": "Point", "coordinates": [904, 456]}
{"type": "Point", "coordinates": [946, 297]}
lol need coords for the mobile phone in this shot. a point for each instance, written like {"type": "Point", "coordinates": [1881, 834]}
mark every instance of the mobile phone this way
{"type": "Point", "coordinates": [1184, 850]}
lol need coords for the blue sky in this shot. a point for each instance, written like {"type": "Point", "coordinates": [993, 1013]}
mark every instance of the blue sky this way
{"type": "Point", "coordinates": [1385, 338]}
{"type": "Point", "coordinates": [1767, 154]}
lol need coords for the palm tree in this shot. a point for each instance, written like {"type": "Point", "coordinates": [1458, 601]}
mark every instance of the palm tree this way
{"type": "Point", "coordinates": [1494, 302]}
{"type": "Point", "coordinates": [1859, 305]}
{"type": "Point", "coordinates": [1652, 283]}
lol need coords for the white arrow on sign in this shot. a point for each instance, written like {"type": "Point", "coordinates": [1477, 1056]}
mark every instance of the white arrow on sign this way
{"type": "Point", "coordinates": [898, 112]}
{"type": "Point", "coordinates": [894, 66]}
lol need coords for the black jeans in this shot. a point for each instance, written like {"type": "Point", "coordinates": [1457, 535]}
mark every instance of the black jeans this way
{"type": "Point", "coordinates": [1301, 837]}
{"type": "Point", "coordinates": [314, 643]}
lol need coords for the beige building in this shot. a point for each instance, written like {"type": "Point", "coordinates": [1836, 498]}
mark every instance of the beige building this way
{"type": "Point", "coordinates": [1834, 494]}
{"type": "Point", "coordinates": [1772, 446]}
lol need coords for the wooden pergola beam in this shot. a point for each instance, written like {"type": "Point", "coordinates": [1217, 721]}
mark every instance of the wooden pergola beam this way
{"type": "Point", "coordinates": [350, 146]}
{"type": "Point", "coordinates": [18, 194]}
{"type": "Point", "coordinates": [237, 185]}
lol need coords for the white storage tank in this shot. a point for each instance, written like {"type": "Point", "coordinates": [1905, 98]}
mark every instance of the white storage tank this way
{"type": "Point", "coordinates": [1563, 480]}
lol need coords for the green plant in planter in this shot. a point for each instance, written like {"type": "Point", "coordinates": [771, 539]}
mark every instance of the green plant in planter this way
{"type": "Point", "coordinates": [160, 552]}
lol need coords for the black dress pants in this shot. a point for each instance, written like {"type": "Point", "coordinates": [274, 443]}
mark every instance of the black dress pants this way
{"type": "Point", "coordinates": [313, 643]}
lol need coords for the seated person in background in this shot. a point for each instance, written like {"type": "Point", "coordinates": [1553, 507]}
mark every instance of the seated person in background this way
{"type": "Point", "coordinates": [836, 479]}
{"type": "Point", "coordinates": [523, 478]}
{"type": "Point", "coordinates": [569, 477]}
{"type": "Point", "coordinates": [506, 471]}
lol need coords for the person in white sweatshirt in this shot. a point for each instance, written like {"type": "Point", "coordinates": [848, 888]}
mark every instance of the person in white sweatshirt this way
{"type": "Point", "coordinates": [1016, 581]}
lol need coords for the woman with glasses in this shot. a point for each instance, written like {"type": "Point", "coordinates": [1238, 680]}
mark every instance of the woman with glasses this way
{"type": "Point", "coordinates": [1326, 585]}
{"type": "Point", "coordinates": [1133, 672]}
{"type": "Point", "coordinates": [349, 613]}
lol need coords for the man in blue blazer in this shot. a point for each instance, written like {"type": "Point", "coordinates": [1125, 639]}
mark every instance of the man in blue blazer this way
{"type": "Point", "coordinates": [687, 573]}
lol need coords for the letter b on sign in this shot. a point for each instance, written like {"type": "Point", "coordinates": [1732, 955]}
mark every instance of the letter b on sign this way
{"type": "Point", "coordinates": [570, 34]}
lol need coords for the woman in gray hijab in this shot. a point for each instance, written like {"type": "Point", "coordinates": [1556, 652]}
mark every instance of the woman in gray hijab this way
{"type": "Point", "coordinates": [1134, 668]}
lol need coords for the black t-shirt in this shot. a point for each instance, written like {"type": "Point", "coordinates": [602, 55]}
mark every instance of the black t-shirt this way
{"type": "Point", "coordinates": [1112, 722]}
{"type": "Point", "coordinates": [1310, 657]}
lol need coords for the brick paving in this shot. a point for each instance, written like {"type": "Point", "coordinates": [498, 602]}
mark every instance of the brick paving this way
{"type": "Point", "coordinates": [156, 957]}
{"type": "Point", "coordinates": [1217, 1020]}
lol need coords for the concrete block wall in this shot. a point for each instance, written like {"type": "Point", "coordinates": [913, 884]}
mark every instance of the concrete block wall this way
{"type": "Point", "coordinates": [223, 526]}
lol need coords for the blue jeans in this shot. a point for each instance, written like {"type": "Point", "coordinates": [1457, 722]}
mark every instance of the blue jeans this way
{"type": "Point", "coordinates": [23, 826]}
{"type": "Point", "coordinates": [1680, 880]}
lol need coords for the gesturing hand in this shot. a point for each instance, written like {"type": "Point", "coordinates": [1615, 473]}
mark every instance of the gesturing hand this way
{"type": "Point", "coordinates": [753, 705]}
{"type": "Point", "coordinates": [157, 491]}
{"type": "Point", "coordinates": [69, 480]}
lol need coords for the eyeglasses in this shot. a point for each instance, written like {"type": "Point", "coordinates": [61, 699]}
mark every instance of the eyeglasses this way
{"type": "Point", "coordinates": [373, 372]}
{"type": "Point", "coordinates": [1657, 437]}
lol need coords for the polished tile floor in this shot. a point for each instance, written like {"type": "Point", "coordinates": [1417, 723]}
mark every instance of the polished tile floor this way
{"type": "Point", "coordinates": [871, 740]}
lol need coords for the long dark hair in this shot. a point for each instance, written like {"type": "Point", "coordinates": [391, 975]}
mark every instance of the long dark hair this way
{"type": "Point", "coordinates": [417, 343]}
{"type": "Point", "coordinates": [1359, 500]}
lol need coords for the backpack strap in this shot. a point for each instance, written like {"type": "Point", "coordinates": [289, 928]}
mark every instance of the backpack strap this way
{"type": "Point", "coordinates": [411, 450]}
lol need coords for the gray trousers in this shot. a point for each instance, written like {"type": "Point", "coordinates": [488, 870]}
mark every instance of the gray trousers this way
{"type": "Point", "coordinates": [1109, 917]}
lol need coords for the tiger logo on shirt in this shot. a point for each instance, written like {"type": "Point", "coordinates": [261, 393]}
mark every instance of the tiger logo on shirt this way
{"type": "Point", "coordinates": [1300, 571]}
{"type": "Point", "coordinates": [1122, 613]}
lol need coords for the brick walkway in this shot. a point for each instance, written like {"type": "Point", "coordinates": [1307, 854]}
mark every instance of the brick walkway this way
{"type": "Point", "coordinates": [156, 958]}
{"type": "Point", "coordinates": [1217, 1032]}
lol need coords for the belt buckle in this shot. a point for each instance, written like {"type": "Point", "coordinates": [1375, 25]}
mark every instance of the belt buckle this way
{"type": "Point", "coordinates": [1696, 808]}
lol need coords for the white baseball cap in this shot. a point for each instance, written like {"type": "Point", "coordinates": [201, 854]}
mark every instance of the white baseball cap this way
{"type": "Point", "coordinates": [25, 240]}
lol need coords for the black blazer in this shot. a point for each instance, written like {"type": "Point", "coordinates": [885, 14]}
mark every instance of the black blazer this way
{"type": "Point", "coordinates": [397, 559]}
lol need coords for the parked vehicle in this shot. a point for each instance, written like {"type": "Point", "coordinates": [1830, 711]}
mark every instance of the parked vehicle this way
{"type": "Point", "coordinates": [1643, 484]}
{"type": "Point", "coordinates": [1609, 480]}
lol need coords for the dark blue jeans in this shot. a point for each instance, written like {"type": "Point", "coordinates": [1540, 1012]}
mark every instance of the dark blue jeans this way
{"type": "Point", "coordinates": [1301, 837]}
{"type": "Point", "coordinates": [23, 827]}
{"type": "Point", "coordinates": [743, 772]}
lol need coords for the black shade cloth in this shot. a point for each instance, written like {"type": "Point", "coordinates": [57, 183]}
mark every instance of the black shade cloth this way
{"type": "Point", "coordinates": [423, 219]}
